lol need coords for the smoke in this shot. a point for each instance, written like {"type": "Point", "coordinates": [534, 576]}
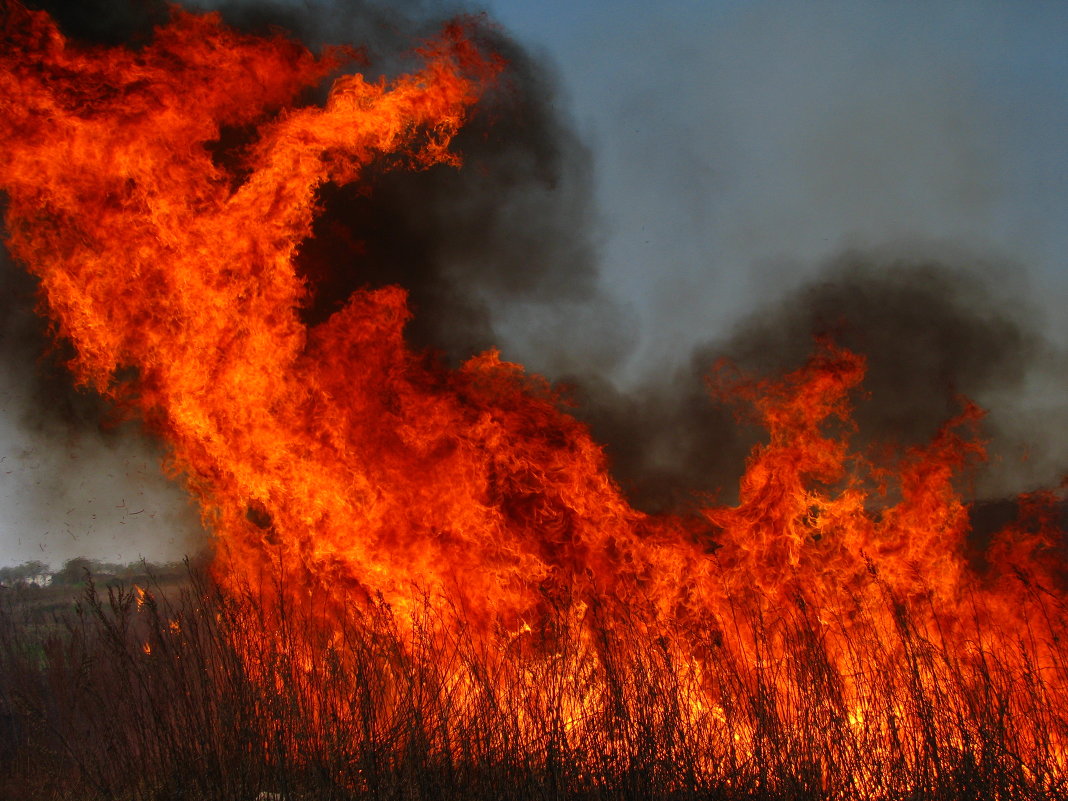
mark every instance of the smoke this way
{"type": "Point", "coordinates": [33, 365]}
{"type": "Point", "coordinates": [512, 232]}
{"type": "Point", "coordinates": [511, 228]}
{"type": "Point", "coordinates": [102, 22]}
{"type": "Point", "coordinates": [776, 170]}
{"type": "Point", "coordinates": [71, 480]}
{"type": "Point", "coordinates": [934, 331]}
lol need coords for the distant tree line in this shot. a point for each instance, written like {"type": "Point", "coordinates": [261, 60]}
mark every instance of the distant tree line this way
{"type": "Point", "coordinates": [23, 573]}
{"type": "Point", "coordinates": [74, 572]}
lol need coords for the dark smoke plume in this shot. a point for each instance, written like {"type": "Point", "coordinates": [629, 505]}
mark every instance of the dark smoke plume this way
{"type": "Point", "coordinates": [512, 226]}
{"type": "Point", "coordinates": [102, 22]}
{"type": "Point", "coordinates": [932, 333]}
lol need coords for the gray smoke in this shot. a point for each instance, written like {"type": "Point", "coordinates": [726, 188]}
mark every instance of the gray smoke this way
{"type": "Point", "coordinates": [933, 331]}
{"type": "Point", "coordinates": [73, 480]}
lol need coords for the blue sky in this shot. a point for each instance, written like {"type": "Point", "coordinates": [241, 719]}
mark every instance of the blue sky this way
{"type": "Point", "coordinates": [737, 146]}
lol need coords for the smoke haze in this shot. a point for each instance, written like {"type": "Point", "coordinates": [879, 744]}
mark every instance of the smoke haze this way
{"type": "Point", "coordinates": [933, 333]}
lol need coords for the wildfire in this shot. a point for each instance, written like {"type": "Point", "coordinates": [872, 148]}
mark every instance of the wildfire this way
{"type": "Point", "coordinates": [350, 468]}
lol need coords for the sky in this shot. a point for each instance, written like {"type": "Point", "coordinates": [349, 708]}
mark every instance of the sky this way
{"type": "Point", "coordinates": [736, 149]}
{"type": "Point", "coordinates": [738, 146]}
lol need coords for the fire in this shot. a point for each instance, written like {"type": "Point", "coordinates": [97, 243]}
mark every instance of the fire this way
{"type": "Point", "coordinates": [348, 469]}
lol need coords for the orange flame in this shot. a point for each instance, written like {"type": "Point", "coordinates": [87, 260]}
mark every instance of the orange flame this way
{"type": "Point", "coordinates": [361, 469]}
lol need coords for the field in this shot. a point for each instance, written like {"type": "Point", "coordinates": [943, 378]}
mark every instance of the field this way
{"type": "Point", "coordinates": [176, 691]}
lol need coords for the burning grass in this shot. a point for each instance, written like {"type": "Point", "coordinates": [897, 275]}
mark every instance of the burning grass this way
{"type": "Point", "coordinates": [181, 695]}
{"type": "Point", "coordinates": [427, 583]}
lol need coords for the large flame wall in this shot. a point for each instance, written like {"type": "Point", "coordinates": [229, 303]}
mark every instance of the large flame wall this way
{"type": "Point", "coordinates": [360, 468]}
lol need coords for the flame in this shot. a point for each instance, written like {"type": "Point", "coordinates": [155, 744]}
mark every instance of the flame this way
{"type": "Point", "coordinates": [354, 471]}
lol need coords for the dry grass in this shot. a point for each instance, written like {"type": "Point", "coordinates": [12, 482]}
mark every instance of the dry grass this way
{"type": "Point", "coordinates": [195, 695]}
